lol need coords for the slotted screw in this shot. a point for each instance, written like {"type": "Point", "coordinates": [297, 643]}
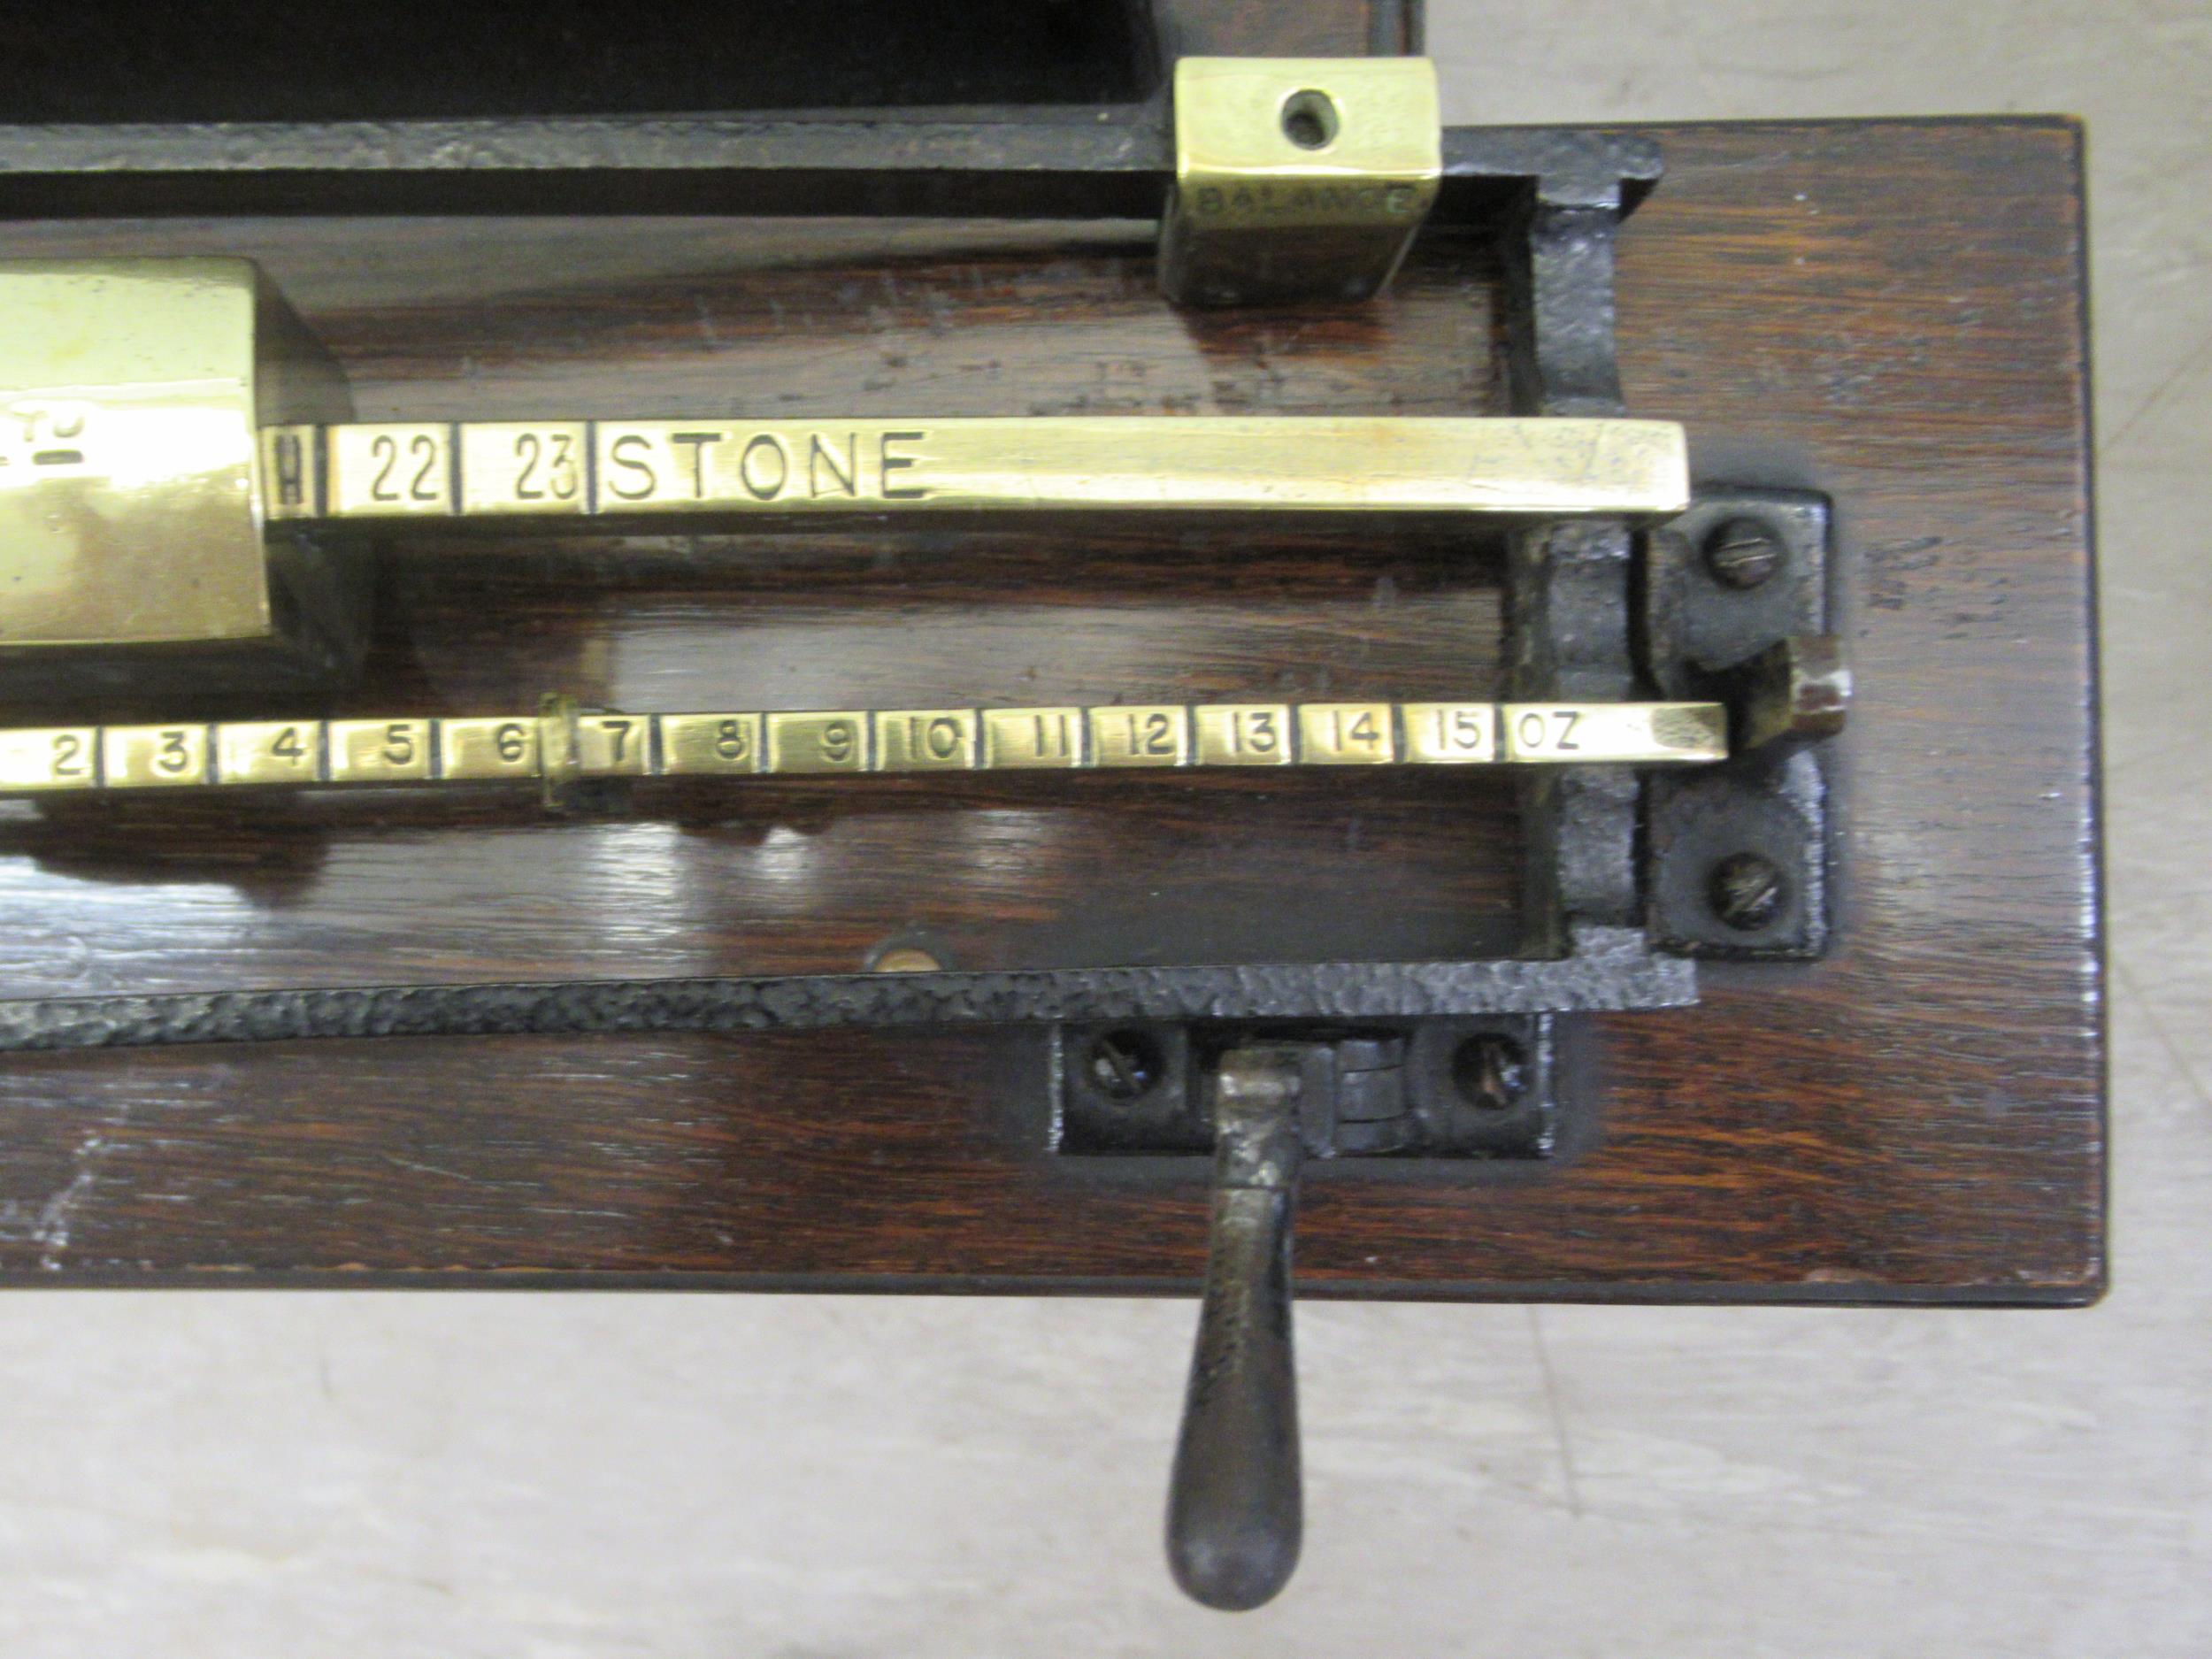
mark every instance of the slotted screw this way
{"type": "Point", "coordinates": [1745, 891]}
{"type": "Point", "coordinates": [1490, 1072]}
{"type": "Point", "coordinates": [1122, 1066]}
{"type": "Point", "coordinates": [1743, 552]}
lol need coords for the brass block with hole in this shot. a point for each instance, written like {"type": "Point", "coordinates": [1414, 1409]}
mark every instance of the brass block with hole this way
{"type": "Point", "coordinates": [1297, 179]}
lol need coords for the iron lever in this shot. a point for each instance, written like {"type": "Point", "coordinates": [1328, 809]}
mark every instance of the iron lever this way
{"type": "Point", "coordinates": [1235, 1501]}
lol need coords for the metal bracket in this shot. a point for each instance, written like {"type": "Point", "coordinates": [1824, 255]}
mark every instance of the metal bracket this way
{"type": "Point", "coordinates": [1450, 1089]}
{"type": "Point", "coordinates": [1736, 598]}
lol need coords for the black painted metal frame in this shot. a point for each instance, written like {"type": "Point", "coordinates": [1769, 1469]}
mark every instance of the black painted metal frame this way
{"type": "Point", "coordinates": [1554, 200]}
{"type": "Point", "coordinates": [1016, 163]}
{"type": "Point", "coordinates": [1610, 970]}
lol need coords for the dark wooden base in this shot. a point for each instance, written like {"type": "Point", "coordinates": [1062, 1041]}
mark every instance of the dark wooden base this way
{"type": "Point", "coordinates": [1888, 311]}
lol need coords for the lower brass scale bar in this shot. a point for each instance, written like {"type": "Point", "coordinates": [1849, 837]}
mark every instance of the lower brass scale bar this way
{"type": "Point", "coordinates": [562, 742]}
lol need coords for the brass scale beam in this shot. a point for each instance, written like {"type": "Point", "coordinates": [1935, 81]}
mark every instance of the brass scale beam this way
{"type": "Point", "coordinates": [155, 427]}
{"type": "Point", "coordinates": [561, 471]}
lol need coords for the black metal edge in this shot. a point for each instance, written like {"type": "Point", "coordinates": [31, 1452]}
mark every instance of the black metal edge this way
{"type": "Point", "coordinates": [1397, 28]}
{"type": "Point", "coordinates": [1610, 970]}
{"type": "Point", "coordinates": [1109, 162]}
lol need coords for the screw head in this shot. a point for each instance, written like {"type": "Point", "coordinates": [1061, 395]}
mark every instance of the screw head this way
{"type": "Point", "coordinates": [905, 959]}
{"type": "Point", "coordinates": [1490, 1072]}
{"type": "Point", "coordinates": [1122, 1066]}
{"type": "Point", "coordinates": [1743, 553]}
{"type": "Point", "coordinates": [1745, 891]}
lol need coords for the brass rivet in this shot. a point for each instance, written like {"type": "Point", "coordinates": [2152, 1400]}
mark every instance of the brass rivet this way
{"type": "Point", "coordinates": [905, 959]}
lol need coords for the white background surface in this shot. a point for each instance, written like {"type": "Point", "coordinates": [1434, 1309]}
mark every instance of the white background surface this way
{"type": "Point", "coordinates": [465, 1475]}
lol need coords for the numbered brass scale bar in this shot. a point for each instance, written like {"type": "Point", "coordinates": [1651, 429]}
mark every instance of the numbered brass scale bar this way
{"type": "Point", "coordinates": [562, 743]}
{"type": "Point", "coordinates": [1305, 464]}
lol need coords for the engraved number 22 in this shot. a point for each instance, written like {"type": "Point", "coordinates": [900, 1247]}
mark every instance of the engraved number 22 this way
{"type": "Point", "coordinates": [386, 485]}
